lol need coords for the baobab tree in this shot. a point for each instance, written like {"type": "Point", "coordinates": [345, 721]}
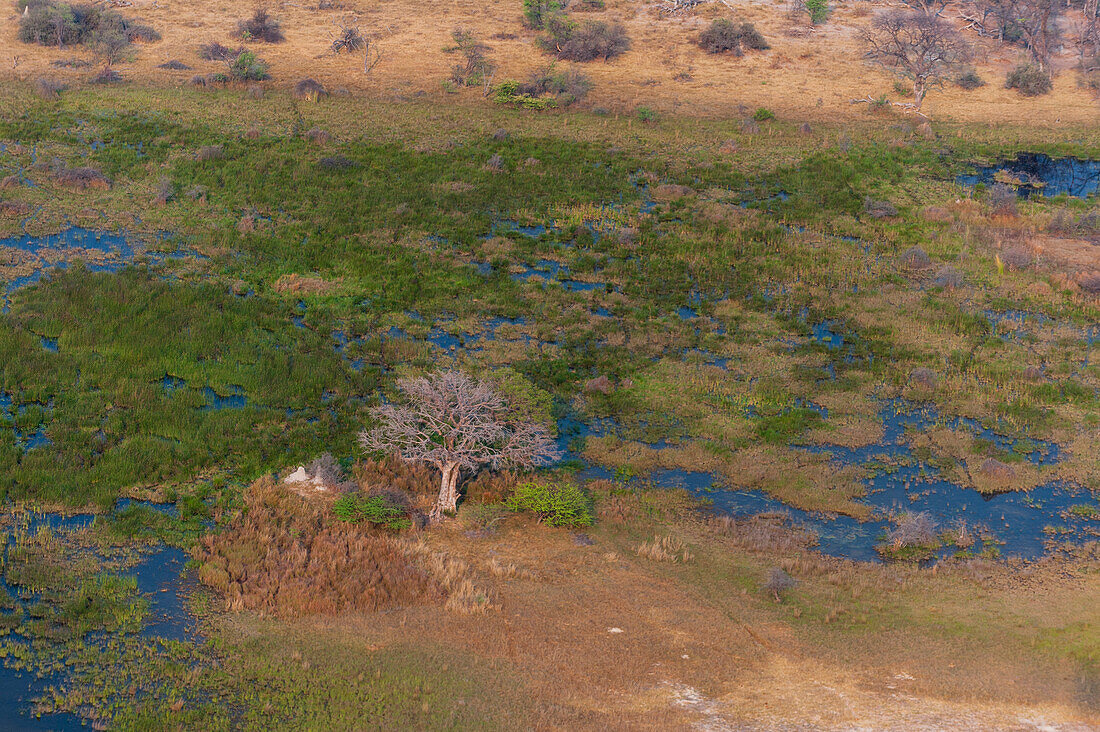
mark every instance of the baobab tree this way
{"type": "Point", "coordinates": [453, 423]}
{"type": "Point", "coordinates": [917, 46]}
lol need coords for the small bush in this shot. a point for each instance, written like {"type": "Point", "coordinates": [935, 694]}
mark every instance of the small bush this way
{"type": "Point", "coordinates": [50, 23]}
{"type": "Point", "coordinates": [536, 13]}
{"type": "Point", "coordinates": [969, 80]}
{"type": "Point", "coordinates": [248, 67]}
{"type": "Point", "coordinates": [106, 76]}
{"type": "Point", "coordinates": [48, 88]}
{"type": "Point", "coordinates": [647, 115]}
{"type": "Point", "coordinates": [358, 508]}
{"type": "Point", "coordinates": [818, 10]}
{"type": "Point", "coordinates": [779, 582]}
{"type": "Point", "coordinates": [567, 87]}
{"type": "Point", "coordinates": [260, 27]}
{"type": "Point", "coordinates": [1031, 81]}
{"type": "Point", "coordinates": [588, 42]}
{"type": "Point", "coordinates": [348, 39]}
{"type": "Point", "coordinates": [725, 36]}
{"type": "Point", "coordinates": [763, 114]}
{"type": "Point", "coordinates": [82, 178]}
{"type": "Point", "coordinates": [215, 51]}
{"type": "Point", "coordinates": [555, 504]}
{"type": "Point", "coordinates": [478, 69]}
{"type": "Point", "coordinates": [337, 162]}
{"type": "Point", "coordinates": [309, 90]}
{"type": "Point", "coordinates": [508, 92]}
{"type": "Point", "coordinates": [174, 66]}
{"type": "Point", "coordinates": [1002, 199]}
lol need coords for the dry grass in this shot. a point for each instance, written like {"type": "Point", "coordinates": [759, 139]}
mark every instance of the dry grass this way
{"type": "Point", "coordinates": [666, 548]}
{"type": "Point", "coordinates": [289, 556]}
{"type": "Point", "coordinates": [804, 75]}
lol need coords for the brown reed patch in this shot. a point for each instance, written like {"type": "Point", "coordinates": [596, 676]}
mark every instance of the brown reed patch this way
{"type": "Point", "coordinates": [289, 556]}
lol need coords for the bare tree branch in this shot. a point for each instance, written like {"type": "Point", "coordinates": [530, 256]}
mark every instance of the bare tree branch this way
{"type": "Point", "coordinates": [454, 423]}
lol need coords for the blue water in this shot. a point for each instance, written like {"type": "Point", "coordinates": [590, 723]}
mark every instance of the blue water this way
{"type": "Point", "coordinates": [235, 399]}
{"type": "Point", "coordinates": [1045, 175]}
{"type": "Point", "coordinates": [158, 575]}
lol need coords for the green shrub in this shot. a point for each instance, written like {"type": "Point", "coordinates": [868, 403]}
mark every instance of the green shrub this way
{"type": "Point", "coordinates": [508, 92]}
{"type": "Point", "coordinates": [647, 115]}
{"type": "Point", "coordinates": [247, 67]}
{"type": "Point", "coordinates": [536, 13]}
{"type": "Point", "coordinates": [969, 80]}
{"type": "Point", "coordinates": [818, 10]}
{"type": "Point", "coordinates": [1031, 81]}
{"type": "Point", "coordinates": [763, 114]}
{"type": "Point", "coordinates": [356, 508]}
{"type": "Point", "coordinates": [555, 504]}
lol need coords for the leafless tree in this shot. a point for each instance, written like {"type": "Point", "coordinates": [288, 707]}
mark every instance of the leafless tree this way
{"type": "Point", "coordinates": [454, 422]}
{"type": "Point", "coordinates": [1035, 23]}
{"type": "Point", "coordinates": [928, 7]}
{"type": "Point", "coordinates": [916, 46]}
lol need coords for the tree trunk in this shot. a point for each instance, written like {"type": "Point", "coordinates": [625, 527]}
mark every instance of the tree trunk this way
{"type": "Point", "coordinates": [919, 91]}
{"type": "Point", "coordinates": [447, 503]}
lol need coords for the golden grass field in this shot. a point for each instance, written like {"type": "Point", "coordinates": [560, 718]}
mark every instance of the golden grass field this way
{"type": "Point", "coordinates": [811, 77]}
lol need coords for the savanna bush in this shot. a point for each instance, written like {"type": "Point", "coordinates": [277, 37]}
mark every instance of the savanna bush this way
{"type": "Point", "coordinates": [726, 36]}
{"type": "Point", "coordinates": [555, 504]}
{"type": "Point", "coordinates": [588, 41]}
{"type": "Point", "coordinates": [248, 67]}
{"type": "Point", "coordinates": [260, 27]}
{"type": "Point", "coordinates": [1029, 80]}
{"type": "Point", "coordinates": [566, 86]}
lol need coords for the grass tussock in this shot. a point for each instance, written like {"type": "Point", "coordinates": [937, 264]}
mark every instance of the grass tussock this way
{"type": "Point", "coordinates": [666, 548]}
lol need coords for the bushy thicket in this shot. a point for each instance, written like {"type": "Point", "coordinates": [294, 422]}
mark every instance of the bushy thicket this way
{"type": "Point", "coordinates": [1029, 80]}
{"type": "Point", "coordinates": [566, 86]}
{"type": "Point", "coordinates": [555, 504]}
{"type": "Point", "coordinates": [260, 27]}
{"type": "Point", "coordinates": [726, 36]}
{"type": "Point", "coordinates": [50, 23]}
{"type": "Point", "coordinates": [586, 41]}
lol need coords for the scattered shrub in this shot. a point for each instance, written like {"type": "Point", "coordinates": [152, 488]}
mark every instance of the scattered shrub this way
{"type": "Point", "coordinates": [567, 86]}
{"type": "Point", "coordinates": [1029, 80]}
{"type": "Point", "coordinates": [879, 209]}
{"type": "Point", "coordinates": [248, 67]}
{"type": "Point", "coordinates": [763, 115]}
{"type": "Point", "coordinates": [82, 178]}
{"type": "Point", "coordinates": [106, 75]}
{"type": "Point", "coordinates": [337, 162]}
{"type": "Point", "coordinates": [1002, 199]}
{"type": "Point", "coordinates": [210, 152]}
{"type": "Point", "coordinates": [508, 92]}
{"type": "Point", "coordinates": [587, 42]}
{"type": "Point", "coordinates": [969, 80]}
{"type": "Point", "coordinates": [725, 36]}
{"type": "Point", "coordinates": [260, 27]}
{"type": "Point", "coordinates": [358, 508]}
{"type": "Point", "coordinates": [779, 582]}
{"type": "Point", "coordinates": [647, 115]}
{"type": "Point", "coordinates": [215, 51]}
{"type": "Point", "coordinates": [318, 136]}
{"type": "Point", "coordinates": [48, 88]}
{"type": "Point", "coordinates": [164, 192]}
{"type": "Point", "coordinates": [555, 504]}
{"type": "Point", "coordinates": [536, 13]}
{"type": "Point", "coordinates": [309, 90]}
{"type": "Point", "coordinates": [174, 66]}
{"type": "Point", "coordinates": [478, 69]}
{"type": "Point", "coordinates": [348, 39]}
{"type": "Point", "coordinates": [913, 529]}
